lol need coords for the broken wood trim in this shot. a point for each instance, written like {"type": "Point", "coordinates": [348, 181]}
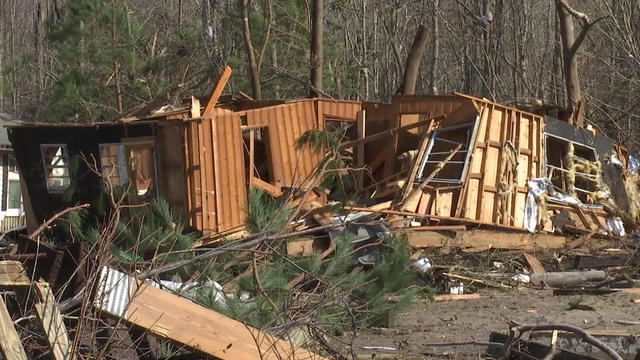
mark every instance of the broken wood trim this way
{"type": "Point", "coordinates": [52, 323]}
{"type": "Point", "coordinates": [217, 91]}
{"type": "Point", "coordinates": [13, 274]}
{"type": "Point", "coordinates": [414, 196]}
{"type": "Point", "coordinates": [266, 187]}
{"type": "Point", "coordinates": [534, 264]}
{"type": "Point", "coordinates": [10, 344]}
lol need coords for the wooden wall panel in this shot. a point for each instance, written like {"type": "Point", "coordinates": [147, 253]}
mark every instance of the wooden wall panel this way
{"type": "Point", "coordinates": [484, 200]}
{"type": "Point", "coordinates": [285, 124]}
{"type": "Point", "coordinates": [228, 156]}
{"type": "Point", "coordinates": [422, 104]}
{"type": "Point", "coordinates": [339, 109]}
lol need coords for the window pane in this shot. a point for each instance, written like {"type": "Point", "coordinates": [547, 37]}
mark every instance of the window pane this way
{"type": "Point", "coordinates": [56, 163]}
{"type": "Point", "coordinates": [14, 200]}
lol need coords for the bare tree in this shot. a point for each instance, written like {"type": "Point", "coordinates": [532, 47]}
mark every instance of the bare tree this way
{"type": "Point", "coordinates": [413, 61]}
{"type": "Point", "coordinates": [317, 46]}
{"type": "Point", "coordinates": [570, 45]}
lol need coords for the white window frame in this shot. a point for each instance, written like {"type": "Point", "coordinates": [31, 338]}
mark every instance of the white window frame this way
{"type": "Point", "coordinates": [48, 167]}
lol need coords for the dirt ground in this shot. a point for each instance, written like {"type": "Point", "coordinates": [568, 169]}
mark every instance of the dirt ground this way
{"type": "Point", "coordinates": [458, 321]}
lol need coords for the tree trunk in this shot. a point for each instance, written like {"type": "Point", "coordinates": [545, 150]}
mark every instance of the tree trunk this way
{"type": "Point", "coordinates": [412, 66]}
{"type": "Point", "coordinates": [435, 47]}
{"type": "Point", "coordinates": [571, 74]}
{"type": "Point", "coordinates": [251, 57]}
{"type": "Point", "coordinates": [38, 35]}
{"type": "Point", "coordinates": [570, 45]}
{"type": "Point", "coordinates": [317, 47]}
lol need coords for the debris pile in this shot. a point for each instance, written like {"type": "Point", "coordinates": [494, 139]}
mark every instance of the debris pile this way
{"type": "Point", "coordinates": [279, 229]}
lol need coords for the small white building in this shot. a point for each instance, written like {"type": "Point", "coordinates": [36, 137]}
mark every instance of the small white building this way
{"type": "Point", "coordinates": [11, 205]}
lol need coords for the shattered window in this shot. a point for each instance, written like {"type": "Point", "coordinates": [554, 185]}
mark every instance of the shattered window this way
{"type": "Point", "coordinates": [113, 163]}
{"type": "Point", "coordinates": [56, 165]}
{"type": "Point", "coordinates": [441, 143]}
{"type": "Point", "coordinates": [142, 167]}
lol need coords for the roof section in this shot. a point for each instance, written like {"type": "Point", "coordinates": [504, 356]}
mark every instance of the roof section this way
{"type": "Point", "coordinates": [5, 120]}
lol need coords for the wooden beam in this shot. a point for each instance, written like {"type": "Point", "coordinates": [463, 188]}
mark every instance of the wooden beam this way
{"type": "Point", "coordinates": [534, 264]}
{"type": "Point", "coordinates": [439, 298]}
{"type": "Point", "coordinates": [10, 344]}
{"type": "Point", "coordinates": [480, 240]}
{"type": "Point", "coordinates": [171, 317]}
{"type": "Point", "coordinates": [51, 321]}
{"type": "Point", "coordinates": [268, 188]}
{"type": "Point", "coordinates": [217, 91]}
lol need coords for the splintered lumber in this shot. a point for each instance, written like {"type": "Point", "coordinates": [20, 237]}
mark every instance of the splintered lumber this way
{"type": "Point", "coordinates": [411, 201]}
{"type": "Point", "coordinates": [13, 274]}
{"type": "Point", "coordinates": [177, 319]}
{"type": "Point", "coordinates": [480, 240]}
{"type": "Point", "coordinates": [534, 264]}
{"type": "Point", "coordinates": [10, 344]}
{"type": "Point", "coordinates": [568, 278]}
{"type": "Point", "coordinates": [217, 91]}
{"type": "Point", "coordinates": [51, 321]}
{"type": "Point", "coordinates": [266, 187]}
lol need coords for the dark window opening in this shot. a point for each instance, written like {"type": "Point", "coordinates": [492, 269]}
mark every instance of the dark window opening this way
{"type": "Point", "coordinates": [262, 166]}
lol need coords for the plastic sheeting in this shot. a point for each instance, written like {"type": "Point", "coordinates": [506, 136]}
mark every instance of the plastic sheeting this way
{"type": "Point", "coordinates": [537, 187]}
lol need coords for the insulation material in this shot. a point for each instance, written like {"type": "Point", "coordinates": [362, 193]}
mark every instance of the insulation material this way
{"type": "Point", "coordinates": [616, 226]}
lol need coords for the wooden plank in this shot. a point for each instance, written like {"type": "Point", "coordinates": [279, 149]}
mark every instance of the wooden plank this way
{"type": "Point", "coordinates": [10, 344]}
{"type": "Point", "coordinates": [439, 298]}
{"type": "Point", "coordinates": [480, 240]}
{"type": "Point", "coordinates": [361, 132]}
{"type": "Point", "coordinates": [534, 264]}
{"type": "Point", "coordinates": [51, 321]}
{"type": "Point", "coordinates": [13, 274]}
{"type": "Point", "coordinates": [266, 187]}
{"type": "Point", "coordinates": [217, 91]}
{"type": "Point", "coordinates": [251, 158]}
{"type": "Point", "coordinates": [177, 319]}
{"type": "Point", "coordinates": [408, 187]}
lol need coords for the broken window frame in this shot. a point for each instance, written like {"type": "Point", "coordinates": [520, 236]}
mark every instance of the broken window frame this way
{"type": "Point", "coordinates": [472, 131]}
{"type": "Point", "coordinates": [548, 166]}
{"type": "Point", "coordinates": [49, 168]}
{"type": "Point", "coordinates": [120, 164]}
{"type": "Point", "coordinates": [127, 144]}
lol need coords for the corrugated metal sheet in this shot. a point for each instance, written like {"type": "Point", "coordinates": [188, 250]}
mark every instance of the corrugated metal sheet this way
{"type": "Point", "coordinates": [114, 292]}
